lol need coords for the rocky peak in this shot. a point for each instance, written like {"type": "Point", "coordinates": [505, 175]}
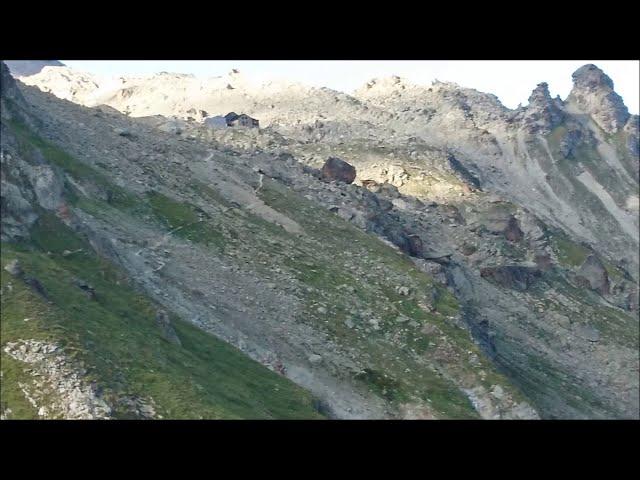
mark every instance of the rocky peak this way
{"type": "Point", "coordinates": [540, 94]}
{"type": "Point", "coordinates": [591, 77]}
{"type": "Point", "coordinates": [382, 86]}
{"type": "Point", "coordinates": [593, 94]}
{"type": "Point", "coordinates": [543, 113]}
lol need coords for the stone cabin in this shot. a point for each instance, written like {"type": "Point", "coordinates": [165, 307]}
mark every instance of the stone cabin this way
{"type": "Point", "coordinates": [242, 120]}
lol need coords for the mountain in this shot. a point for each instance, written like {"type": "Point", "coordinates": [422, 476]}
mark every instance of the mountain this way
{"type": "Point", "coordinates": [24, 68]}
{"type": "Point", "coordinates": [483, 263]}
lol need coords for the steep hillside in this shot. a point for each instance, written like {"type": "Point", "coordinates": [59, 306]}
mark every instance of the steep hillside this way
{"type": "Point", "coordinates": [217, 243]}
{"type": "Point", "coordinates": [79, 338]}
{"type": "Point", "coordinates": [483, 264]}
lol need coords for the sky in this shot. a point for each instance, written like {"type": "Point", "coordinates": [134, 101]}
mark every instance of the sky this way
{"type": "Point", "coordinates": [510, 80]}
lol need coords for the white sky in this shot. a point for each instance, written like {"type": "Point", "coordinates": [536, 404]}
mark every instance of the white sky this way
{"type": "Point", "coordinates": [511, 80]}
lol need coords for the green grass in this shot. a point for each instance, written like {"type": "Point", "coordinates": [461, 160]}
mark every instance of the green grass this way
{"type": "Point", "coordinates": [615, 273]}
{"type": "Point", "coordinates": [168, 212]}
{"type": "Point", "coordinates": [615, 325]}
{"type": "Point", "coordinates": [569, 253]}
{"type": "Point", "coordinates": [617, 185]}
{"type": "Point", "coordinates": [186, 221]}
{"type": "Point", "coordinates": [117, 338]}
{"type": "Point", "coordinates": [572, 254]}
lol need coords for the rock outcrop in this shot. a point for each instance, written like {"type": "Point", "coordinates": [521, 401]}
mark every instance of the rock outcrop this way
{"type": "Point", "coordinates": [633, 139]}
{"type": "Point", "coordinates": [164, 323]}
{"type": "Point", "coordinates": [593, 94]}
{"type": "Point", "coordinates": [58, 387]}
{"type": "Point", "coordinates": [593, 275]}
{"type": "Point", "coordinates": [512, 231]}
{"type": "Point", "coordinates": [335, 169]}
{"type": "Point", "coordinates": [543, 113]}
{"type": "Point", "coordinates": [517, 277]}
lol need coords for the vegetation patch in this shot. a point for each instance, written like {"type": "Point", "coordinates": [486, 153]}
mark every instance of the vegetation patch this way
{"type": "Point", "coordinates": [115, 335]}
{"type": "Point", "coordinates": [569, 253]}
{"type": "Point", "coordinates": [186, 221]}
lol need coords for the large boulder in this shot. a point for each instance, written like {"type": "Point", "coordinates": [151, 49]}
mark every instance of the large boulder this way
{"type": "Point", "coordinates": [164, 323]}
{"type": "Point", "coordinates": [338, 170]}
{"type": "Point", "coordinates": [512, 231]}
{"type": "Point", "coordinates": [14, 268]}
{"type": "Point", "coordinates": [593, 275]}
{"type": "Point", "coordinates": [517, 277]}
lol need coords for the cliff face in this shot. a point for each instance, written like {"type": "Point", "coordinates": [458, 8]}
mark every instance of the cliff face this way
{"type": "Point", "coordinates": [517, 228]}
{"type": "Point", "coordinates": [593, 94]}
{"type": "Point", "coordinates": [543, 114]}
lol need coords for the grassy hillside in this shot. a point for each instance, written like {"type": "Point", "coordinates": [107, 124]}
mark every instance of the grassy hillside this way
{"type": "Point", "coordinates": [116, 338]}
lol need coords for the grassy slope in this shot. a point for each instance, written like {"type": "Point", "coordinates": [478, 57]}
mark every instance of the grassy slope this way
{"type": "Point", "coordinates": [115, 336]}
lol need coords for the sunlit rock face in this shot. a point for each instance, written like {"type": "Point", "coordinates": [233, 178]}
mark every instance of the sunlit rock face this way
{"type": "Point", "coordinates": [593, 93]}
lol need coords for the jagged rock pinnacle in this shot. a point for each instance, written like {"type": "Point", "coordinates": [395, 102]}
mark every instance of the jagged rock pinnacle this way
{"type": "Point", "coordinates": [540, 95]}
{"type": "Point", "coordinates": [591, 77]}
{"type": "Point", "coordinates": [543, 113]}
{"type": "Point", "coordinates": [593, 94]}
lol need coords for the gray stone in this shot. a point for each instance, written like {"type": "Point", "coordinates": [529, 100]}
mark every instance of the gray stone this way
{"type": "Point", "coordinates": [517, 277]}
{"type": "Point", "coordinates": [404, 291]}
{"type": "Point", "coordinates": [335, 169]}
{"type": "Point", "coordinates": [593, 93]}
{"type": "Point", "coordinates": [588, 332]}
{"type": "Point", "coordinates": [497, 391]}
{"type": "Point", "coordinates": [315, 359]}
{"type": "Point", "coordinates": [123, 132]}
{"type": "Point", "coordinates": [14, 268]}
{"type": "Point", "coordinates": [164, 323]}
{"type": "Point", "coordinates": [593, 275]}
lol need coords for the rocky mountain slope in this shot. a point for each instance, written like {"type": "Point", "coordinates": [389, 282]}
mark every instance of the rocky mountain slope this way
{"type": "Point", "coordinates": [561, 158]}
{"type": "Point", "coordinates": [483, 264]}
{"type": "Point", "coordinates": [79, 341]}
